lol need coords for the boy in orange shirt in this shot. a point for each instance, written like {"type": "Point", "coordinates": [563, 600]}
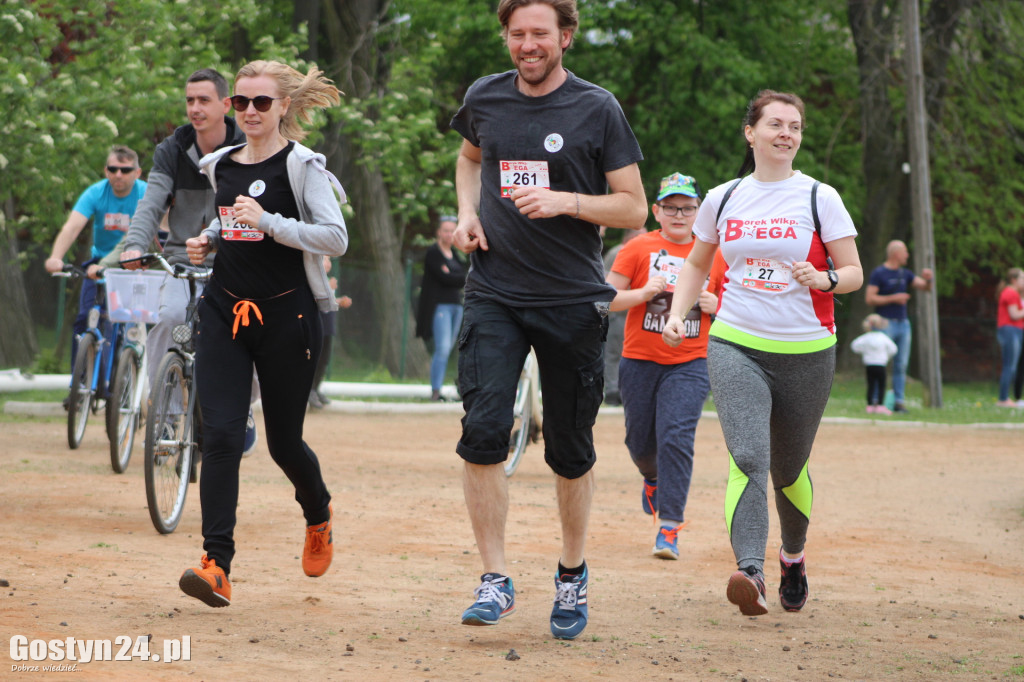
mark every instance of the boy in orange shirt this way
{"type": "Point", "coordinates": [663, 389]}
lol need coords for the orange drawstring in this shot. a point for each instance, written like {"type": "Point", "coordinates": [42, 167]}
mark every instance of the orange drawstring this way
{"type": "Point", "coordinates": [241, 309]}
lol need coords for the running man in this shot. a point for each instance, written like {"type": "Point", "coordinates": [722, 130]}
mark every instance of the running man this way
{"type": "Point", "coordinates": [546, 159]}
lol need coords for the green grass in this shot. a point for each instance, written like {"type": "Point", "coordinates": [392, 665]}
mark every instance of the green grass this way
{"type": "Point", "coordinates": [962, 403]}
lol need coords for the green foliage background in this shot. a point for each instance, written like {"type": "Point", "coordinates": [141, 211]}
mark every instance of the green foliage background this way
{"type": "Point", "coordinates": [80, 75]}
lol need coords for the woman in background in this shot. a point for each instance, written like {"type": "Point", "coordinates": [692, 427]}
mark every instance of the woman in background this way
{"type": "Point", "coordinates": [1010, 331]}
{"type": "Point", "coordinates": [440, 309]}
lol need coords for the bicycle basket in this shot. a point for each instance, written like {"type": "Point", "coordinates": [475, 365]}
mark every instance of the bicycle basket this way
{"type": "Point", "coordinates": [134, 295]}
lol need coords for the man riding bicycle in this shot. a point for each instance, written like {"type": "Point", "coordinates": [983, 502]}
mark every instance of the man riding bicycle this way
{"type": "Point", "coordinates": [109, 204]}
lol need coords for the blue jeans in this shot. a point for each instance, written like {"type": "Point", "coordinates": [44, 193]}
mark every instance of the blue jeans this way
{"type": "Point", "coordinates": [1010, 339]}
{"type": "Point", "coordinates": [663, 405]}
{"type": "Point", "coordinates": [899, 332]}
{"type": "Point", "coordinates": [447, 320]}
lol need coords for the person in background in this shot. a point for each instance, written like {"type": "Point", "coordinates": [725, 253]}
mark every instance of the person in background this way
{"type": "Point", "coordinates": [664, 388]}
{"type": "Point", "coordinates": [328, 319]}
{"type": "Point", "coordinates": [439, 315]}
{"type": "Point", "coordinates": [1018, 379]}
{"type": "Point", "coordinates": [788, 242]}
{"type": "Point", "coordinates": [875, 349]}
{"type": "Point", "coordinates": [1010, 331]}
{"type": "Point", "coordinates": [110, 205]}
{"type": "Point", "coordinates": [888, 291]}
{"type": "Point", "coordinates": [616, 327]}
{"type": "Point", "coordinates": [277, 216]}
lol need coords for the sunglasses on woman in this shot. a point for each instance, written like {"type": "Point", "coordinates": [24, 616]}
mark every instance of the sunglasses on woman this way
{"type": "Point", "coordinates": [260, 102]}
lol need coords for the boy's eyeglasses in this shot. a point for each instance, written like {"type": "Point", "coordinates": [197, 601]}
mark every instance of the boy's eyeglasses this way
{"type": "Point", "coordinates": [260, 102]}
{"type": "Point", "coordinates": [672, 211]}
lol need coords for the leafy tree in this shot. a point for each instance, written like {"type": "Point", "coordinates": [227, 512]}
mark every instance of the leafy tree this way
{"type": "Point", "coordinates": [78, 77]}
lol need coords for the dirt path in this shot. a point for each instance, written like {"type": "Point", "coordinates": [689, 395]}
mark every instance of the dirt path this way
{"type": "Point", "coordinates": [915, 560]}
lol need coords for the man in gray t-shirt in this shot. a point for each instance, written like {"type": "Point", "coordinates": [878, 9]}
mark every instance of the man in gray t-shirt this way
{"type": "Point", "coordinates": [547, 157]}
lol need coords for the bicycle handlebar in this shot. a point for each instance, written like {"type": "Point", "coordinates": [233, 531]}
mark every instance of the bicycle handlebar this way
{"type": "Point", "coordinates": [72, 271]}
{"type": "Point", "coordinates": [178, 271]}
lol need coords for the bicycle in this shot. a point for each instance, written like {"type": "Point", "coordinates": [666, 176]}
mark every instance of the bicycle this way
{"type": "Point", "coordinates": [174, 421]}
{"type": "Point", "coordinates": [133, 298]}
{"type": "Point", "coordinates": [90, 375]}
{"type": "Point", "coordinates": [527, 414]}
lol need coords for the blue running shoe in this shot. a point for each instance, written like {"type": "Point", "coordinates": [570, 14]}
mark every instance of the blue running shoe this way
{"type": "Point", "coordinates": [251, 437]}
{"type": "Point", "coordinates": [666, 545]}
{"type": "Point", "coordinates": [649, 498]}
{"type": "Point", "coordinates": [569, 614]}
{"type": "Point", "coordinates": [495, 599]}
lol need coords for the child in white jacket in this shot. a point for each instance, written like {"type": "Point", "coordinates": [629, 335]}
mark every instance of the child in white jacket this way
{"type": "Point", "coordinates": [875, 348]}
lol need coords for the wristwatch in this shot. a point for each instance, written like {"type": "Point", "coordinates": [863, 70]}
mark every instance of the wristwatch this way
{"type": "Point", "coordinates": [833, 279]}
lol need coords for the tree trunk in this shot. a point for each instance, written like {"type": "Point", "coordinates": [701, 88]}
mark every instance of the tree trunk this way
{"type": "Point", "coordinates": [351, 55]}
{"type": "Point", "coordinates": [874, 25]}
{"type": "Point", "coordinates": [18, 346]}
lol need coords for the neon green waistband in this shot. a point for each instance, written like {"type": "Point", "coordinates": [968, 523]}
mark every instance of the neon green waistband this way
{"type": "Point", "coordinates": [723, 331]}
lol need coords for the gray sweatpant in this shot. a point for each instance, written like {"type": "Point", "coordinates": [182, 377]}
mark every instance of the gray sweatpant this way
{"type": "Point", "coordinates": [769, 405]}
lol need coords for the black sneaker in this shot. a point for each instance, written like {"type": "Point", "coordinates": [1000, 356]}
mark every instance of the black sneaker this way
{"type": "Point", "coordinates": [746, 590]}
{"type": "Point", "coordinates": [793, 588]}
{"type": "Point", "coordinates": [899, 408]}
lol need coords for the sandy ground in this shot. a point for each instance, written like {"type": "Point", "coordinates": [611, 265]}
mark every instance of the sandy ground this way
{"type": "Point", "coordinates": [915, 562]}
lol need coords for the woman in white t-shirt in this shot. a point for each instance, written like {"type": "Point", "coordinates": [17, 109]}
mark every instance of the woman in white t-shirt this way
{"type": "Point", "coordinates": [771, 353]}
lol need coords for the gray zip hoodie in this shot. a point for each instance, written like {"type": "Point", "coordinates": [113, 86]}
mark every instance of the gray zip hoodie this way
{"type": "Point", "coordinates": [321, 229]}
{"type": "Point", "coordinates": [175, 187]}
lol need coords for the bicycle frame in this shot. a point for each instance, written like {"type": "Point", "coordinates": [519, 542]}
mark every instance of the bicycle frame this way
{"type": "Point", "coordinates": [108, 346]}
{"type": "Point", "coordinates": [173, 434]}
{"type": "Point", "coordinates": [86, 382]}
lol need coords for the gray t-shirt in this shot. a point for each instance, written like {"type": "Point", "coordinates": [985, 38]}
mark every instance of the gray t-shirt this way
{"type": "Point", "coordinates": [574, 135]}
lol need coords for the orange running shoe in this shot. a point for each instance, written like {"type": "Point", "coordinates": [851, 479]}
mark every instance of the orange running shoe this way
{"type": "Point", "coordinates": [319, 549]}
{"type": "Point", "coordinates": [208, 584]}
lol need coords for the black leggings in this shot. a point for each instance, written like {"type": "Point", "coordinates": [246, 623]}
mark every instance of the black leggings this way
{"type": "Point", "coordinates": [284, 348]}
{"type": "Point", "coordinates": [876, 384]}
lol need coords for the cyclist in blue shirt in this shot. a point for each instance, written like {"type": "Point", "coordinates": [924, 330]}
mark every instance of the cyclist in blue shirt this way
{"type": "Point", "coordinates": [109, 204]}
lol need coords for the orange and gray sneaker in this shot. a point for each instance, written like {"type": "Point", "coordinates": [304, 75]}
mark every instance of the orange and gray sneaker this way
{"type": "Point", "coordinates": [208, 584]}
{"type": "Point", "coordinates": [319, 549]}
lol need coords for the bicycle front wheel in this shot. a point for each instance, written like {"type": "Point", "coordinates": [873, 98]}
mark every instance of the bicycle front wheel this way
{"type": "Point", "coordinates": [169, 443]}
{"type": "Point", "coordinates": [122, 413]}
{"type": "Point", "coordinates": [80, 400]}
{"type": "Point", "coordinates": [521, 415]}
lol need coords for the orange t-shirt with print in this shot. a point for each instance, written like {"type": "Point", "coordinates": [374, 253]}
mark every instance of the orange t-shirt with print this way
{"type": "Point", "coordinates": [649, 255]}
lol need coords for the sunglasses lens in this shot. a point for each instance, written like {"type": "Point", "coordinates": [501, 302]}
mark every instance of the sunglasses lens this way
{"type": "Point", "coordinates": [261, 103]}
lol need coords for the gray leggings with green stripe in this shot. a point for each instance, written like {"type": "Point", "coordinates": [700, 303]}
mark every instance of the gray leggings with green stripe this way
{"type": "Point", "coordinates": [769, 405]}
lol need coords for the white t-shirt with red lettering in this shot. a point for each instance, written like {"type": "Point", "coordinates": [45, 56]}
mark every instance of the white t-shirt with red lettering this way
{"type": "Point", "coordinates": [765, 228]}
